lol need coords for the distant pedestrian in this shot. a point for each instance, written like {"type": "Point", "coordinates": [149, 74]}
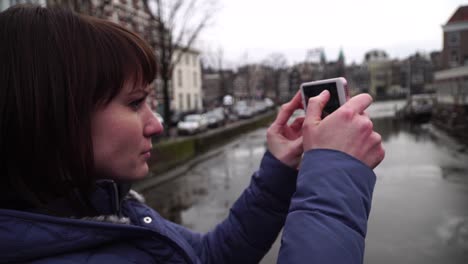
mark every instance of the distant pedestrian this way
{"type": "Point", "coordinates": [75, 132]}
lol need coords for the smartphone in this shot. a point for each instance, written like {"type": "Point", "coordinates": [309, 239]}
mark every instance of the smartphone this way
{"type": "Point", "coordinates": [338, 88]}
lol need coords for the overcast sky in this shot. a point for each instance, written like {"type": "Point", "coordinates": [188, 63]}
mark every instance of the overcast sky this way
{"type": "Point", "coordinates": [260, 27]}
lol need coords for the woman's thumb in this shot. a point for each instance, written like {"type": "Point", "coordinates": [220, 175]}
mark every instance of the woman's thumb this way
{"type": "Point", "coordinates": [316, 104]}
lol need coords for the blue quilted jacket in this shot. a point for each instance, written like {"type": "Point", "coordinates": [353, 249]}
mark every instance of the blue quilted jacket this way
{"type": "Point", "coordinates": [324, 219]}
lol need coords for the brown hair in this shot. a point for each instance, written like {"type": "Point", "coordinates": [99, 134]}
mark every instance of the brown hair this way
{"type": "Point", "coordinates": [56, 68]}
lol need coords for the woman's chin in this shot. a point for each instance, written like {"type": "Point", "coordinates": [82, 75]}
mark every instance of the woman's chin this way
{"type": "Point", "coordinates": [142, 173]}
{"type": "Point", "coordinates": [131, 177]}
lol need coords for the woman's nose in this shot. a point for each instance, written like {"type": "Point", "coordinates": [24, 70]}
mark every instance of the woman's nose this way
{"type": "Point", "coordinates": [153, 126]}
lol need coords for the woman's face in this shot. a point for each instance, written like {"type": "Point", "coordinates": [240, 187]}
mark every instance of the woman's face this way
{"type": "Point", "coordinates": [121, 132]}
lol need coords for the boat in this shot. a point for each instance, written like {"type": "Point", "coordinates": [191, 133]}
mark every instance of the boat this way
{"type": "Point", "coordinates": [418, 108]}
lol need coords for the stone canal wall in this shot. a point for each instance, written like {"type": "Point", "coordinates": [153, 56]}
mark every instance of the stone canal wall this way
{"type": "Point", "coordinates": [453, 119]}
{"type": "Point", "coordinates": [168, 153]}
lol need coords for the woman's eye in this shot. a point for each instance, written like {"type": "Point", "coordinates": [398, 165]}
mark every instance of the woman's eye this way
{"type": "Point", "coordinates": [137, 103]}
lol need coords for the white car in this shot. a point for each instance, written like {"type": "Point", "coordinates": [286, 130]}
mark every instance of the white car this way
{"type": "Point", "coordinates": [244, 111]}
{"type": "Point", "coordinates": [192, 124]}
{"type": "Point", "coordinates": [269, 103]}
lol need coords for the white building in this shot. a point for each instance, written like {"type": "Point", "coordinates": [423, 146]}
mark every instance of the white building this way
{"type": "Point", "coordinates": [187, 82]}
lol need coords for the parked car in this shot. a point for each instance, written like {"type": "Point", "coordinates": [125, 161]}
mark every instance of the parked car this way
{"type": "Point", "coordinates": [260, 107]}
{"type": "Point", "coordinates": [178, 116]}
{"type": "Point", "coordinates": [244, 112]}
{"type": "Point", "coordinates": [215, 118]}
{"type": "Point", "coordinates": [269, 103]}
{"type": "Point", "coordinates": [192, 124]}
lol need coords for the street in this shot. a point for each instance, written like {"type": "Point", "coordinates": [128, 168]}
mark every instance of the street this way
{"type": "Point", "coordinates": [419, 211]}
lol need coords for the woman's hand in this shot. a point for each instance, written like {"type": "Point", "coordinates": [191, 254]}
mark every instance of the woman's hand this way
{"type": "Point", "coordinates": [285, 141]}
{"type": "Point", "coordinates": [348, 129]}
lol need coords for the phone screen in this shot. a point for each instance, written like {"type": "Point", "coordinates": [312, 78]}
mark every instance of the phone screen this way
{"type": "Point", "coordinates": [316, 89]}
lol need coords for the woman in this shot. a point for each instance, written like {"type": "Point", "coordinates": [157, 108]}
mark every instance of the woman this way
{"type": "Point", "coordinates": [76, 131]}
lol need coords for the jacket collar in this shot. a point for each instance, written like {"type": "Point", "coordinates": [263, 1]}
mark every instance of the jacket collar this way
{"type": "Point", "coordinates": [106, 199]}
{"type": "Point", "coordinates": [108, 196]}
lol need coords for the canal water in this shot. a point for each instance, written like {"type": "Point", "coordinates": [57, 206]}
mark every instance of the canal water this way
{"type": "Point", "coordinates": [420, 204]}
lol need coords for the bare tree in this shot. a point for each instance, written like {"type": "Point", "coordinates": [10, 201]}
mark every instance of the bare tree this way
{"type": "Point", "coordinates": [179, 23]}
{"type": "Point", "coordinates": [277, 62]}
{"type": "Point", "coordinates": [247, 71]}
{"type": "Point", "coordinates": [219, 65]}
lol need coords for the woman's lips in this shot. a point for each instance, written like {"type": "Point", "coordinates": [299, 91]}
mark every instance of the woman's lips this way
{"type": "Point", "coordinates": [146, 154]}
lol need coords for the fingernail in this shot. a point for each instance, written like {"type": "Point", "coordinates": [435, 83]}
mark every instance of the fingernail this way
{"type": "Point", "coordinates": [323, 92]}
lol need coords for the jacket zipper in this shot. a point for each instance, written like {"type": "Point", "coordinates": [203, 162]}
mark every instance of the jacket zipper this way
{"type": "Point", "coordinates": [116, 199]}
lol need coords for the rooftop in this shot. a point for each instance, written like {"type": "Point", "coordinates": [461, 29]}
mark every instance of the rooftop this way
{"type": "Point", "coordinates": [460, 15]}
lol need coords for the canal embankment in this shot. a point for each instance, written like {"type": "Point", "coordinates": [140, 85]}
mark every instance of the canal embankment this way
{"type": "Point", "coordinates": [453, 119]}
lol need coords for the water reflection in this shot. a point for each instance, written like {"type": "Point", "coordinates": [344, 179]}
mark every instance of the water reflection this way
{"type": "Point", "coordinates": [419, 212]}
{"type": "Point", "coordinates": [390, 128]}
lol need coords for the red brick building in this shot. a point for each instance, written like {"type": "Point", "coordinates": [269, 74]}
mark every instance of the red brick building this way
{"type": "Point", "coordinates": [455, 50]}
{"type": "Point", "coordinates": [451, 82]}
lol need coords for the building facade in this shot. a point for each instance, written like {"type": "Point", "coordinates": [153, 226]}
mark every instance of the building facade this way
{"type": "Point", "coordinates": [334, 69]}
{"type": "Point", "coordinates": [380, 73]}
{"type": "Point", "coordinates": [417, 73]}
{"type": "Point", "coordinates": [187, 82]}
{"type": "Point", "coordinates": [451, 82]}
{"type": "Point", "coordinates": [131, 14]}
{"type": "Point", "coordinates": [455, 33]}
{"type": "Point", "coordinates": [294, 80]}
{"type": "Point", "coordinates": [357, 76]}
{"type": "Point", "coordinates": [216, 84]}
{"type": "Point", "coordinates": [250, 82]}
{"type": "Point", "coordinates": [285, 92]}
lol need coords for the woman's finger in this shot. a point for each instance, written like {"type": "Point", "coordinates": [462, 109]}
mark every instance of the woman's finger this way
{"type": "Point", "coordinates": [294, 130]}
{"type": "Point", "coordinates": [288, 109]}
{"type": "Point", "coordinates": [297, 124]}
{"type": "Point", "coordinates": [359, 103]}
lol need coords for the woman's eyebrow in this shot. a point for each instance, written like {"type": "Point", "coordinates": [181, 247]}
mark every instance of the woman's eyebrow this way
{"type": "Point", "coordinates": [139, 91]}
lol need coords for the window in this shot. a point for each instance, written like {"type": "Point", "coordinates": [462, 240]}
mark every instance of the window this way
{"type": "Point", "coordinates": [179, 77]}
{"type": "Point", "coordinates": [453, 58]}
{"type": "Point", "coordinates": [189, 105]}
{"type": "Point", "coordinates": [196, 100]}
{"type": "Point", "coordinates": [194, 57]}
{"type": "Point", "coordinates": [195, 83]}
{"type": "Point", "coordinates": [187, 59]}
{"type": "Point", "coordinates": [453, 39]}
{"type": "Point", "coordinates": [181, 102]}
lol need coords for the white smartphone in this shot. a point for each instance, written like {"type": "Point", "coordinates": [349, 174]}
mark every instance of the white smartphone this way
{"type": "Point", "coordinates": [338, 88]}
